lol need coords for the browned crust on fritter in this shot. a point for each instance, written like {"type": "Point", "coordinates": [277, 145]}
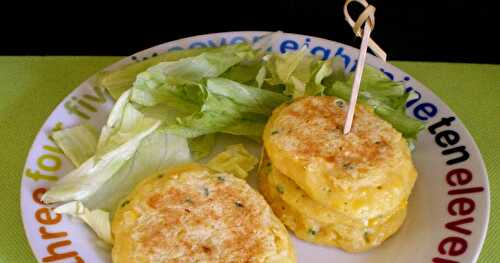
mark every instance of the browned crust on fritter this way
{"type": "Point", "coordinates": [312, 127]}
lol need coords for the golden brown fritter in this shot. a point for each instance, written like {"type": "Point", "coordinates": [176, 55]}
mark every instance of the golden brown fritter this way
{"type": "Point", "coordinates": [193, 214]}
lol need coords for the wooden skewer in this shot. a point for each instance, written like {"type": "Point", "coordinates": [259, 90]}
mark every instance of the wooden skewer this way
{"type": "Point", "coordinates": [368, 19]}
{"type": "Point", "coordinates": [357, 77]}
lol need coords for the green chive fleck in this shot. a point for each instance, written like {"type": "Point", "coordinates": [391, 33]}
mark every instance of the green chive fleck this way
{"type": "Point", "coordinates": [312, 231]}
{"type": "Point", "coordinates": [205, 191]}
{"type": "Point", "coordinates": [348, 166]}
{"type": "Point", "coordinates": [339, 103]}
{"type": "Point", "coordinates": [280, 189]}
{"type": "Point", "coordinates": [274, 132]}
{"type": "Point", "coordinates": [221, 178]}
{"type": "Point", "coordinates": [125, 203]}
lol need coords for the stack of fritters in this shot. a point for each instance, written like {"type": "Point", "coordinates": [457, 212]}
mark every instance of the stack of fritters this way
{"type": "Point", "coordinates": [348, 191]}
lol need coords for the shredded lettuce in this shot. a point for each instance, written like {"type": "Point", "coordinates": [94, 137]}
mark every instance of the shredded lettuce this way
{"type": "Point", "coordinates": [98, 220]}
{"type": "Point", "coordinates": [170, 107]}
{"type": "Point", "coordinates": [78, 143]}
{"type": "Point", "coordinates": [231, 89]}
{"type": "Point", "coordinates": [235, 159]}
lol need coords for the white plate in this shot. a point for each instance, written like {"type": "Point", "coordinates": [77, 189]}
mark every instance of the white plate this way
{"type": "Point", "coordinates": [448, 210]}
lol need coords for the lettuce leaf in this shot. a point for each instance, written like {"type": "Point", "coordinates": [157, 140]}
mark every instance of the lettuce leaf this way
{"type": "Point", "coordinates": [248, 127]}
{"type": "Point", "coordinates": [124, 123]}
{"type": "Point", "coordinates": [229, 104]}
{"type": "Point", "coordinates": [300, 72]}
{"type": "Point", "coordinates": [130, 147]}
{"type": "Point", "coordinates": [181, 79]}
{"type": "Point", "coordinates": [86, 179]}
{"type": "Point", "coordinates": [244, 73]}
{"type": "Point", "coordinates": [316, 87]}
{"type": "Point", "coordinates": [247, 98]}
{"type": "Point", "coordinates": [387, 97]}
{"type": "Point", "coordinates": [260, 77]}
{"type": "Point", "coordinates": [235, 159]}
{"type": "Point", "coordinates": [120, 80]}
{"type": "Point", "coordinates": [78, 143]}
{"type": "Point", "coordinates": [156, 152]}
{"type": "Point", "coordinates": [201, 146]}
{"type": "Point", "coordinates": [216, 114]}
{"type": "Point", "coordinates": [409, 127]}
{"type": "Point", "coordinates": [98, 220]}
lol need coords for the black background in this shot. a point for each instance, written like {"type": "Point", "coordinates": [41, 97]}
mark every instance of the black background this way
{"type": "Point", "coordinates": [458, 31]}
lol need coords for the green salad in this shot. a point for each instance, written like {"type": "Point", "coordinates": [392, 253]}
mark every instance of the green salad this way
{"type": "Point", "coordinates": [169, 109]}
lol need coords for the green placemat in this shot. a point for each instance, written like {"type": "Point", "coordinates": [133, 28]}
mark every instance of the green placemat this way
{"type": "Point", "coordinates": [30, 87]}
